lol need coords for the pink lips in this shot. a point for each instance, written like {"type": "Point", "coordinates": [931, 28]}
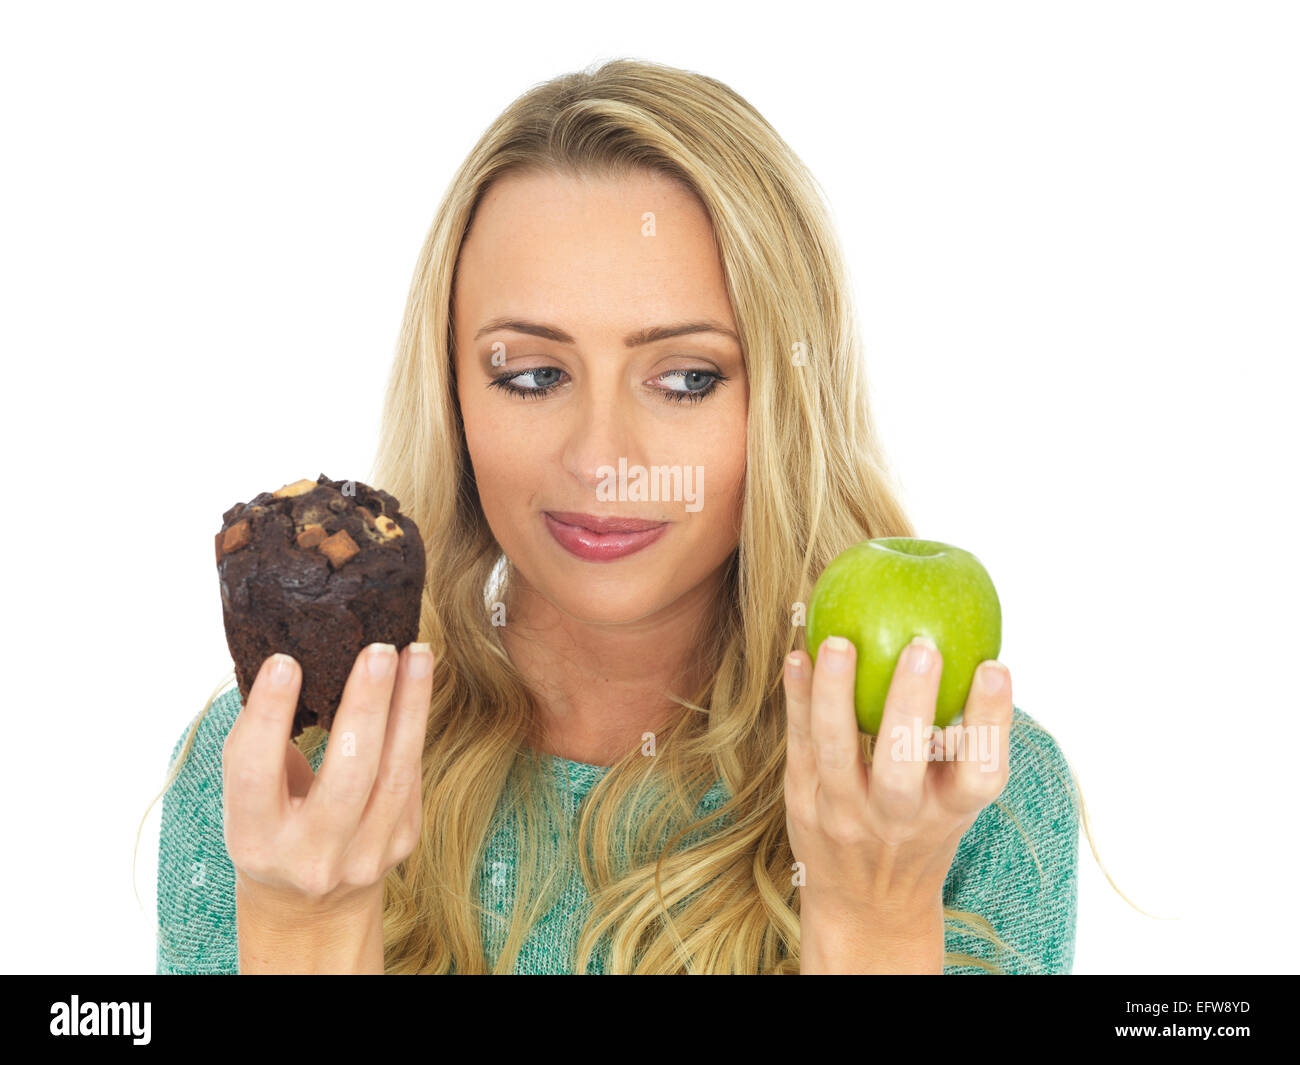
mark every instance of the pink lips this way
{"type": "Point", "coordinates": [597, 539]}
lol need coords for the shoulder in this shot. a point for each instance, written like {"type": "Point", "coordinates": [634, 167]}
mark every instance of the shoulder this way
{"type": "Point", "coordinates": [1017, 865]}
{"type": "Point", "coordinates": [1040, 802]}
{"type": "Point", "coordinates": [205, 749]}
{"type": "Point", "coordinates": [201, 765]}
{"type": "Point", "coordinates": [1041, 785]}
{"type": "Point", "coordinates": [196, 905]}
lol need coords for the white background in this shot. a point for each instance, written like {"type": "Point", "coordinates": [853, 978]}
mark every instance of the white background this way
{"type": "Point", "coordinates": [1073, 231]}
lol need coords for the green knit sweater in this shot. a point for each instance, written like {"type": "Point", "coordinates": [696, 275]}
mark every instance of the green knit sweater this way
{"type": "Point", "coordinates": [1031, 904]}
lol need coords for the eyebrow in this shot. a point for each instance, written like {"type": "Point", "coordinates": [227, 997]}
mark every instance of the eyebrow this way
{"type": "Point", "coordinates": [632, 340]}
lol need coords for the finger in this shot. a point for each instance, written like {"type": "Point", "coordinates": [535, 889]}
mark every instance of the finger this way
{"type": "Point", "coordinates": [400, 766]}
{"type": "Point", "coordinates": [338, 797]}
{"type": "Point", "coordinates": [837, 747]}
{"type": "Point", "coordinates": [254, 785]}
{"type": "Point", "coordinates": [979, 766]}
{"type": "Point", "coordinates": [800, 761]}
{"type": "Point", "coordinates": [899, 763]}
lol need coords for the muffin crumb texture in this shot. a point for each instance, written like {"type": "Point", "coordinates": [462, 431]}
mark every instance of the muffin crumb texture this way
{"type": "Point", "coordinates": [317, 570]}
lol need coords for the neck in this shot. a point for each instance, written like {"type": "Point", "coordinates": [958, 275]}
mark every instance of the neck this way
{"type": "Point", "coordinates": [603, 686]}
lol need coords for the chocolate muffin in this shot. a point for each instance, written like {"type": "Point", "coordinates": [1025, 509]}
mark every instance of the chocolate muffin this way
{"type": "Point", "coordinates": [318, 570]}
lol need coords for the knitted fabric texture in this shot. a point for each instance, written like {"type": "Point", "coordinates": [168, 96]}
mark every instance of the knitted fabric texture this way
{"type": "Point", "coordinates": [1030, 898]}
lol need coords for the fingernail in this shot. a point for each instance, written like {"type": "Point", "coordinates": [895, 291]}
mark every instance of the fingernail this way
{"type": "Point", "coordinates": [420, 660]}
{"type": "Point", "coordinates": [920, 654]}
{"type": "Point", "coordinates": [794, 664]}
{"type": "Point", "coordinates": [992, 677]}
{"type": "Point", "coordinates": [838, 659]}
{"type": "Point", "coordinates": [380, 660]}
{"type": "Point", "coordinates": [281, 670]}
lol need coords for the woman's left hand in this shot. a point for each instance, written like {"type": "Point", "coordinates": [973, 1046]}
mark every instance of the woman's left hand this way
{"type": "Point", "coordinates": [875, 841]}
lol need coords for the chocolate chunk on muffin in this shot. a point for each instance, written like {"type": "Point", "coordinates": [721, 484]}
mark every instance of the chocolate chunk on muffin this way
{"type": "Point", "coordinates": [317, 570]}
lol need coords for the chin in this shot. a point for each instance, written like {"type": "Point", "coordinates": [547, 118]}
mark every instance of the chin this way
{"type": "Point", "coordinates": [604, 599]}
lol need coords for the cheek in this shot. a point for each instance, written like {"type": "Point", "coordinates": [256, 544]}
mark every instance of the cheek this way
{"type": "Point", "coordinates": [723, 465]}
{"type": "Point", "coordinates": [500, 461]}
{"type": "Point", "coordinates": [723, 459]}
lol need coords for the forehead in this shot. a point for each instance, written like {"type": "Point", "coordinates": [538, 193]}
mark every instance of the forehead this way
{"type": "Point", "coordinates": [552, 244]}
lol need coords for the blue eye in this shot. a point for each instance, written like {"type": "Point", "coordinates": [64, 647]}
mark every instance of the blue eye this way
{"type": "Point", "coordinates": [502, 382]}
{"type": "Point", "coordinates": [707, 379]}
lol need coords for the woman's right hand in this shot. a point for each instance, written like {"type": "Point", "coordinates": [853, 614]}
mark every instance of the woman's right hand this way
{"type": "Point", "coordinates": [311, 850]}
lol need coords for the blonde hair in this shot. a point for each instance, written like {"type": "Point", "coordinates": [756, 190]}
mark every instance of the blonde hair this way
{"type": "Point", "coordinates": [669, 892]}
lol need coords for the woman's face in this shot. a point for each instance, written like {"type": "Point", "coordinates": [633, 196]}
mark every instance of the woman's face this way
{"type": "Point", "coordinates": [562, 290]}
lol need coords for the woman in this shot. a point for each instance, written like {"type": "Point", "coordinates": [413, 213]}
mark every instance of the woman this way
{"type": "Point", "coordinates": [607, 759]}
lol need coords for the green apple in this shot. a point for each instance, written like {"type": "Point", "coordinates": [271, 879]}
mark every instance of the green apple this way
{"type": "Point", "coordinates": [881, 593]}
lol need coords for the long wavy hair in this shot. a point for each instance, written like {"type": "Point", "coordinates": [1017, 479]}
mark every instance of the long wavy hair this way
{"type": "Point", "coordinates": [670, 891]}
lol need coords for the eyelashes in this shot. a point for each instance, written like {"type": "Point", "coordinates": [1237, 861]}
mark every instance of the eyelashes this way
{"type": "Point", "coordinates": [673, 395]}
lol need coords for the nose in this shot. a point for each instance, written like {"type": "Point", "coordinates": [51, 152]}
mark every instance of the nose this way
{"type": "Point", "coordinates": [604, 427]}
